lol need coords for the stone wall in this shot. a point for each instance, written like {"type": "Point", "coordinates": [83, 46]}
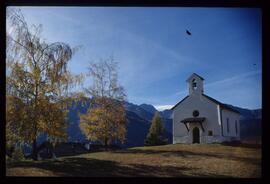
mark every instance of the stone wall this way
{"type": "Point", "coordinates": [203, 139]}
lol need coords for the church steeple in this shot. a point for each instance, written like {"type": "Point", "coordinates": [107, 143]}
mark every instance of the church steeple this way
{"type": "Point", "coordinates": [195, 84]}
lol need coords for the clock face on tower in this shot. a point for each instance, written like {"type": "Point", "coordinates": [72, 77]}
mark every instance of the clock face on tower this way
{"type": "Point", "coordinates": [195, 113]}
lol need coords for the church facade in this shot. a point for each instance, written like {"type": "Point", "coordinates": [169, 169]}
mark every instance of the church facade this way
{"type": "Point", "coordinates": [199, 118]}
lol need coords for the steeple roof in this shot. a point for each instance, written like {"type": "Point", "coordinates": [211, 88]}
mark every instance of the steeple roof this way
{"type": "Point", "coordinates": [194, 74]}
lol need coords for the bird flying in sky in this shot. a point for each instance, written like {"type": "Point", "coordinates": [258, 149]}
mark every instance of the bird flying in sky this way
{"type": "Point", "coordinates": [188, 32]}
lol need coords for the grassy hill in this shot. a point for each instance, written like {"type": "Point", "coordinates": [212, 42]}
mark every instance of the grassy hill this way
{"type": "Point", "coordinates": [197, 160]}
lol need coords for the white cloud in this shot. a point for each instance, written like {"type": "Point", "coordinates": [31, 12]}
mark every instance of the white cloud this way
{"type": "Point", "coordinates": [230, 80]}
{"type": "Point", "coordinates": [234, 78]}
{"type": "Point", "coordinates": [182, 92]}
{"type": "Point", "coordinates": [106, 33]}
{"type": "Point", "coordinates": [9, 29]}
{"type": "Point", "coordinates": [163, 107]}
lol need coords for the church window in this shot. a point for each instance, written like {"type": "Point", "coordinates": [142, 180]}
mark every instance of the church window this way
{"type": "Point", "coordinates": [236, 131]}
{"type": "Point", "coordinates": [210, 133]}
{"type": "Point", "coordinates": [228, 127]}
{"type": "Point", "coordinates": [195, 113]}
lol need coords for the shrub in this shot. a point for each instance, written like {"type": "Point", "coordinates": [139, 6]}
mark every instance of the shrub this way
{"type": "Point", "coordinates": [8, 159]}
{"type": "Point", "coordinates": [153, 140]}
{"type": "Point", "coordinates": [18, 154]}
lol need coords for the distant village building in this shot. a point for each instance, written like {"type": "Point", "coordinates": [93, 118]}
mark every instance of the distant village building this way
{"type": "Point", "coordinates": [199, 118]}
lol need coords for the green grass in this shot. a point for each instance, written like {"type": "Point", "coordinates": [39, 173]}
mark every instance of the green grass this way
{"type": "Point", "coordinates": [212, 160]}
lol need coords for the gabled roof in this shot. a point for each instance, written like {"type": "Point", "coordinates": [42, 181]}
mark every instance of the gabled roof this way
{"type": "Point", "coordinates": [195, 75]}
{"type": "Point", "coordinates": [222, 105]}
{"type": "Point", "coordinates": [179, 102]}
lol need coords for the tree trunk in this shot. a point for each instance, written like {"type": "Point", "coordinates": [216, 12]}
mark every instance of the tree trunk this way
{"type": "Point", "coordinates": [51, 149]}
{"type": "Point", "coordinates": [34, 151]}
{"type": "Point", "coordinates": [106, 144]}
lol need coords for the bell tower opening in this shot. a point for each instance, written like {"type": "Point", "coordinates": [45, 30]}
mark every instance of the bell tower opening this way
{"type": "Point", "coordinates": [195, 84]}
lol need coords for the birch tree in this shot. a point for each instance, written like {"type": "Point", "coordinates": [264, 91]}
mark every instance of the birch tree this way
{"type": "Point", "coordinates": [105, 119]}
{"type": "Point", "coordinates": [37, 83]}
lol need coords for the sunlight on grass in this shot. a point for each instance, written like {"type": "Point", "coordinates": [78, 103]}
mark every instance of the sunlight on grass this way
{"type": "Point", "coordinates": [180, 160]}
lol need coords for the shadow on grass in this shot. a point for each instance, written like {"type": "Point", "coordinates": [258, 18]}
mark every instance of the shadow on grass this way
{"type": "Point", "coordinates": [239, 144]}
{"type": "Point", "coordinates": [187, 154]}
{"type": "Point", "coordinates": [103, 168]}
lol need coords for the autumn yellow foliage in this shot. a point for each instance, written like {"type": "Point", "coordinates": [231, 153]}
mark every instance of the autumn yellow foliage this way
{"type": "Point", "coordinates": [105, 119]}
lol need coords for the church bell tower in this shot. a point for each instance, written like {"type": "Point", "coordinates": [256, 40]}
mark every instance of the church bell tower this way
{"type": "Point", "coordinates": [195, 84]}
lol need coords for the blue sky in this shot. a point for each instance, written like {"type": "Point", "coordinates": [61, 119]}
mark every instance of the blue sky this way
{"type": "Point", "coordinates": [155, 54]}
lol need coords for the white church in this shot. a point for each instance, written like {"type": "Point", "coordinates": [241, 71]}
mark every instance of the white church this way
{"type": "Point", "coordinates": [199, 118]}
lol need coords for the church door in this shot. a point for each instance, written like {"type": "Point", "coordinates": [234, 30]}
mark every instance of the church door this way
{"type": "Point", "coordinates": [196, 135]}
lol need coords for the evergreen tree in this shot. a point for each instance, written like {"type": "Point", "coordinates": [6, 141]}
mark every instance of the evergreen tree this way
{"type": "Point", "coordinates": [156, 135]}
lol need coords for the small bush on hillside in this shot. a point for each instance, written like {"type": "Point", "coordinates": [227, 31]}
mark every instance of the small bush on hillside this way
{"type": "Point", "coordinates": [8, 158]}
{"type": "Point", "coordinates": [152, 140]}
{"type": "Point", "coordinates": [18, 154]}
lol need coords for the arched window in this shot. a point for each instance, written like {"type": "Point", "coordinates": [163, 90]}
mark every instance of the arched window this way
{"type": "Point", "coordinates": [236, 131]}
{"type": "Point", "coordinates": [194, 84]}
{"type": "Point", "coordinates": [228, 126]}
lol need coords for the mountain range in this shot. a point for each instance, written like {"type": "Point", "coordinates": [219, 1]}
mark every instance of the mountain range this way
{"type": "Point", "coordinates": [139, 121]}
{"type": "Point", "coordinates": [250, 122]}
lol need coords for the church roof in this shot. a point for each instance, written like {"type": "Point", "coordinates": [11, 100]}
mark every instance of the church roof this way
{"type": "Point", "coordinates": [196, 75]}
{"type": "Point", "coordinates": [179, 102]}
{"type": "Point", "coordinates": [222, 105]}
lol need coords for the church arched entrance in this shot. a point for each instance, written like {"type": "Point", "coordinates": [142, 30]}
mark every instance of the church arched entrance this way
{"type": "Point", "coordinates": [196, 135]}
